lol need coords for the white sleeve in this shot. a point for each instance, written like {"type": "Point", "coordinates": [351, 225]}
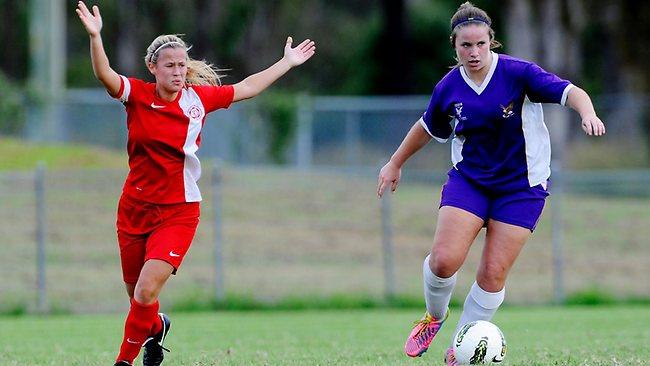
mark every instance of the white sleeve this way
{"type": "Point", "coordinates": [565, 93]}
{"type": "Point", "coordinates": [424, 125]}
{"type": "Point", "coordinates": [125, 90]}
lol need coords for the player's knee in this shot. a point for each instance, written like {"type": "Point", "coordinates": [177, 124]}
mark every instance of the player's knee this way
{"type": "Point", "coordinates": [145, 293]}
{"type": "Point", "coordinates": [443, 264]}
{"type": "Point", "coordinates": [491, 277]}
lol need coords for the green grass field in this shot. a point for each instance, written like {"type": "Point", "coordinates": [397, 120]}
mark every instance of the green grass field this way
{"type": "Point", "coordinates": [591, 336]}
{"type": "Point", "coordinates": [21, 155]}
{"type": "Point", "coordinates": [320, 237]}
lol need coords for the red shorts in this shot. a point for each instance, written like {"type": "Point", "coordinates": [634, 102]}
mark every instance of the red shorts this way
{"type": "Point", "coordinates": [151, 231]}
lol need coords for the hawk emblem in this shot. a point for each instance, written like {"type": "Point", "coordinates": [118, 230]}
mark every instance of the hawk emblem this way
{"type": "Point", "coordinates": [508, 111]}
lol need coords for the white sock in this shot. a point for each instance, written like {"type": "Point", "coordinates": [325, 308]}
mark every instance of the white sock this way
{"type": "Point", "coordinates": [437, 291]}
{"type": "Point", "coordinates": [479, 305]}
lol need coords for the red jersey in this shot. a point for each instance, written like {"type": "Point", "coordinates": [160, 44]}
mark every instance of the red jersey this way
{"type": "Point", "coordinates": [163, 139]}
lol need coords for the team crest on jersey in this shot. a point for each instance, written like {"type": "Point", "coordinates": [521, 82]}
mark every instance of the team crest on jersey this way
{"type": "Point", "coordinates": [508, 111]}
{"type": "Point", "coordinates": [459, 111]}
{"type": "Point", "coordinates": [195, 112]}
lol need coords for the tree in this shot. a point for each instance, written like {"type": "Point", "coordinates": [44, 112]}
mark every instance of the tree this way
{"type": "Point", "coordinates": [13, 27]}
{"type": "Point", "coordinates": [393, 51]}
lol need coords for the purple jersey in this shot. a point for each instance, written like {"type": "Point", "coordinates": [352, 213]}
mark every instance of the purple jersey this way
{"type": "Point", "coordinates": [500, 140]}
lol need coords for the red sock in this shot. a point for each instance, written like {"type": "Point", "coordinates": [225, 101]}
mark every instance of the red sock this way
{"type": "Point", "coordinates": [137, 328]}
{"type": "Point", "coordinates": [157, 326]}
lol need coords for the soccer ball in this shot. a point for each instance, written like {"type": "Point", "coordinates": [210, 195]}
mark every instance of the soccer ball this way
{"type": "Point", "coordinates": [479, 342]}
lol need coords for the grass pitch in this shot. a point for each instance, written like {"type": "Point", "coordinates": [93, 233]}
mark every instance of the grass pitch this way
{"type": "Point", "coordinates": [593, 336]}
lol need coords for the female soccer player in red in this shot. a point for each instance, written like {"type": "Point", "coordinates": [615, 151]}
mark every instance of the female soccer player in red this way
{"type": "Point", "coordinates": [158, 212]}
{"type": "Point", "coordinates": [489, 105]}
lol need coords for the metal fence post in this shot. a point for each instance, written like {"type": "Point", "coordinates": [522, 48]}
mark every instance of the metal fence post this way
{"type": "Point", "coordinates": [41, 230]}
{"type": "Point", "coordinates": [218, 230]}
{"type": "Point", "coordinates": [304, 143]}
{"type": "Point", "coordinates": [387, 244]}
{"type": "Point", "coordinates": [557, 231]}
{"type": "Point", "coordinates": [352, 139]}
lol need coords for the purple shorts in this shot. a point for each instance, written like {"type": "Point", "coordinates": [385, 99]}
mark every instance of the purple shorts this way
{"type": "Point", "coordinates": [521, 208]}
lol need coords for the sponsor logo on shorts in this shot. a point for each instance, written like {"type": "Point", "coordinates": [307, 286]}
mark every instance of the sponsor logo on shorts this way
{"type": "Point", "coordinates": [172, 254]}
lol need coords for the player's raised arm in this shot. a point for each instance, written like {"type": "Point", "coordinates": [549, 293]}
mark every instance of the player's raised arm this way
{"type": "Point", "coordinates": [101, 67]}
{"type": "Point", "coordinates": [256, 83]}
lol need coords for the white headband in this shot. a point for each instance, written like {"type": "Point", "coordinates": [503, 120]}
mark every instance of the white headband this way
{"type": "Point", "coordinates": [167, 44]}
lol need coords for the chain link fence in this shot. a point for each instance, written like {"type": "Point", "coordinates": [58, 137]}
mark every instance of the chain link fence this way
{"type": "Point", "coordinates": [313, 228]}
{"type": "Point", "coordinates": [347, 132]}
{"type": "Point", "coordinates": [295, 233]}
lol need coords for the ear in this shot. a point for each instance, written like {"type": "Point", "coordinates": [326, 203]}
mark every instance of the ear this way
{"type": "Point", "coordinates": [152, 68]}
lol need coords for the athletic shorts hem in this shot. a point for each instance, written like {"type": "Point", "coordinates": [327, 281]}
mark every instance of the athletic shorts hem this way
{"type": "Point", "coordinates": [166, 260]}
{"type": "Point", "coordinates": [508, 221]}
{"type": "Point", "coordinates": [464, 208]}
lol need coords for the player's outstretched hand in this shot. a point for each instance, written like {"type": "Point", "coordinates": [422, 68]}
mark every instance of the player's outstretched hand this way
{"type": "Point", "coordinates": [299, 54]}
{"type": "Point", "coordinates": [593, 126]}
{"type": "Point", "coordinates": [388, 175]}
{"type": "Point", "coordinates": [91, 21]}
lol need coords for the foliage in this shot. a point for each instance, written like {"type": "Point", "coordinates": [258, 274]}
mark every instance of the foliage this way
{"type": "Point", "coordinates": [197, 302]}
{"type": "Point", "coordinates": [281, 110]}
{"type": "Point", "coordinates": [349, 68]}
{"type": "Point", "coordinates": [15, 38]}
{"type": "Point", "coordinates": [430, 31]}
{"type": "Point", "coordinates": [242, 302]}
{"type": "Point", "coordinates": [14, 308]}
{"type": "Point", "coordinates": [355, 55]}
{"type": "Point", "coordinates": [20, 155]}
{"type": "Point", "coordinates": [12, 109]}
{"type": "Point", "coordinates": [246, 35]}
{"type": "Point", "coordinates": [592, 296]}
{"type": "Point", "coordinates": [591, 46]}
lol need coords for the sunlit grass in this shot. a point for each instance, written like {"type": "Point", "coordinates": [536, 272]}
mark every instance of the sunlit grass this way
{"type": "Point", "coordinates": [573, 336]}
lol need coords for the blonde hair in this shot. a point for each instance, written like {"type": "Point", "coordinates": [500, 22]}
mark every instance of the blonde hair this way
{"type": "Point", "coordinates": [199, 72]}
{"type": "Point", "coordinates": [467, 14]}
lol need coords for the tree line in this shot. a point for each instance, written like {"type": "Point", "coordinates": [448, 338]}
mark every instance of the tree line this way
{"type": "Point", "coordinates": [364, 47]}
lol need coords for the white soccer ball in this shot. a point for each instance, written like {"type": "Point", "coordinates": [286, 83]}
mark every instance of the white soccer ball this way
{"type": "Point", "coordinates": [479, 342]}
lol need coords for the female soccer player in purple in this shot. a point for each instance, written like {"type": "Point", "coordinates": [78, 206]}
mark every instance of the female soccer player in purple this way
{"type": "Point", "coordinates": [500, 150]}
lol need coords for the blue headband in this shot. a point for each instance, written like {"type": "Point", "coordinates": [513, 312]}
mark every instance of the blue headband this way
{"type": "Point", "coordinates": [468, 20]}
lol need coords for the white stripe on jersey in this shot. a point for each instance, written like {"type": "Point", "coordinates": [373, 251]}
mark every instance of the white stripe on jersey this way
{"type": "Point", "coordinates": [127, 90]}
{"type": "Point", "coordinates": [565, 93]}
{"type": "Point", "coordinates": [537, 141]}
{"type": "Point", "coordinates": [192, 166]}
{"type": "Point", "coordinates": [424, 125]}
{"type": "Point", "coordinates": [457, 146]}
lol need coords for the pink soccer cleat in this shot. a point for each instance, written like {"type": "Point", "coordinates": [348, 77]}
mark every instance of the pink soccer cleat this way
{"type": "Point", "coordinates": [422, 334]}
{"type": "Point", "coordinates": [450, 358]}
